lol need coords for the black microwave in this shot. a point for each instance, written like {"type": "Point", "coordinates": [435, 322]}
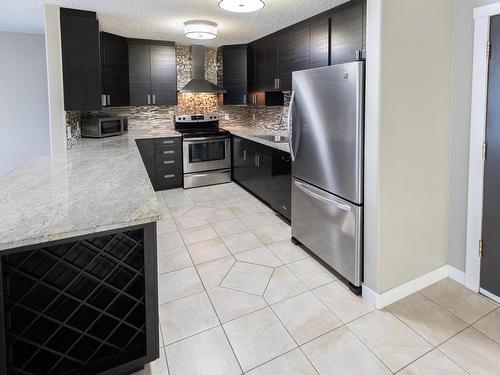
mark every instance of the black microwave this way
{"type": "Point", "coordinates": [100, 127]}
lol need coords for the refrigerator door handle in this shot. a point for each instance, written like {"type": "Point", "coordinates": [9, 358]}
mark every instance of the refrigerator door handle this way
{"type": "Point", "coordinates": [289, 121]}
{"type": "Point", "coordinates": [313, 194]}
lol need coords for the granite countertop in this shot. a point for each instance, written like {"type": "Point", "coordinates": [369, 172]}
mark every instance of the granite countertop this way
{"type": "Point", "coordinates": [101, 184]}
{"type": "Point", "coordinates": [252, 132]}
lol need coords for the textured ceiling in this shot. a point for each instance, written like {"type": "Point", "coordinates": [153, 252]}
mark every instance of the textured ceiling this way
{"type": "Point", "coordinates": [163, 19]}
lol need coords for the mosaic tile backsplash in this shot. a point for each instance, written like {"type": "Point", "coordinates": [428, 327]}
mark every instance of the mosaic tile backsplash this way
{"type": "Point", "coordinates": [196, 103]}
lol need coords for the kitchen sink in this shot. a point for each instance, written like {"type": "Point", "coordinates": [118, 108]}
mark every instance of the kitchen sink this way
{"type": "Point", "coordinates": [274, 138]}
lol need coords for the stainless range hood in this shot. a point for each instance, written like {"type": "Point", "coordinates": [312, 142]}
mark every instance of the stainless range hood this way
{"type": "Point", "coordinates": [198, 83]}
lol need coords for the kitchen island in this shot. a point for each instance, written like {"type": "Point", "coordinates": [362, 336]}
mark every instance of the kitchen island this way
{"type": "Point", "coordinates": [78, 262]}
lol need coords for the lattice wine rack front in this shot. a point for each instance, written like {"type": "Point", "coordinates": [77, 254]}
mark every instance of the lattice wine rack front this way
{"type": "Point", "coordinates": [75, 308]}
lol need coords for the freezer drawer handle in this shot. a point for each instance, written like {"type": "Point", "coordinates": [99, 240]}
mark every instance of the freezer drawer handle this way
{"type": "Point", "coordinates": [311, 193]}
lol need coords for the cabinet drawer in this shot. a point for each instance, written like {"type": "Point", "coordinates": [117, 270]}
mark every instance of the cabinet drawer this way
{"type": "Point", "coordinates": [168, 180]}
{"type": "Point", "coordinates": [168, 141]}
{"type": "Point", "coordinates": [168, 152]}
{"type": "Point", "coordinates": [170, 166]}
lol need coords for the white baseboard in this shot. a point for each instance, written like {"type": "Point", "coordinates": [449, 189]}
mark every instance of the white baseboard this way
{"type": "Point", "coordinates": [379, 301]}
{"type": "Point", "coordinates": [456, 274]}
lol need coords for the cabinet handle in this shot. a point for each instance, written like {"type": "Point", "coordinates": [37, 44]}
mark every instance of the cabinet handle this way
{"type": "Point", "coordinates": [244, 154]}
{"type": "Point", "coordinates": [169, 162]}
{"type": "Point", "coordinates": [149, 99]}
{"type": "Point", "coordinates": [257, 161]}
{"type": "Point", "coordinates": [168, 142]}
{"type": "Point", "coordinates": [168, 152]}
{"type": "Point", "coordinates": [169, 176]}
{"type": "Point", "coordinates": [279, 83]}
{"type": "Point", "coordinates": [103, 100]}
{"type": "Point", "coordinates": [244, 98]}
{"type": "Point", "coordinates": [109, 99]}
{"type": "Point", "coordinates": [154, 99]}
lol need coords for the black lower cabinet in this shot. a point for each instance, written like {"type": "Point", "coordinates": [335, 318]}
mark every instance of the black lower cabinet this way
{"type": "Point", "coordinates": [265, 172]}
{"type": "Point", "coordinates": [86, 305]}
{"type": "Point", "coordinates": [162, 158]}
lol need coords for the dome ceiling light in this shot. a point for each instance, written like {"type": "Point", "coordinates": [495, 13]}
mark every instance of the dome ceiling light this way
{"type": "Point", "coordinates": [241, 6]}
{"type": "Point", "coordinates": [200, 29]}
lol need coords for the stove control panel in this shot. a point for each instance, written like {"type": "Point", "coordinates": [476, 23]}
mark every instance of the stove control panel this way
{"type": "Point", "coordinates": [196, 118]}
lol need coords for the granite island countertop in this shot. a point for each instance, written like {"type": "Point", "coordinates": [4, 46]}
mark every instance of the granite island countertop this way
{"type": "Point", "coordinates": [100, 185]}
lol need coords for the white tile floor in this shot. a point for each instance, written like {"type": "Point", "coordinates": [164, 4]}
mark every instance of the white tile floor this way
{"type": "Point", "coordinates": [238, 297]}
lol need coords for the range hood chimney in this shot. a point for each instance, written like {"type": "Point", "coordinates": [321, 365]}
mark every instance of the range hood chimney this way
{"type": "Point", "coordinates": [198, 83]}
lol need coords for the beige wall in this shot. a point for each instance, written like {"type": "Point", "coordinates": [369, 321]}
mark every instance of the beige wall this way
{"type": "Point", "coordinates": [414, 137]}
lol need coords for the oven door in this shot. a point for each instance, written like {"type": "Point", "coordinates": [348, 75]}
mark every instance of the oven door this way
{"type": "Point", "coordinates": [206, 154]}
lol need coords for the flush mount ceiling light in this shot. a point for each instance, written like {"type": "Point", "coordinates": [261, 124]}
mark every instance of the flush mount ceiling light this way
{"type": "Point", "coordinates": [200, 29]}
{"type": "Point", "coordinates": [241, 6]}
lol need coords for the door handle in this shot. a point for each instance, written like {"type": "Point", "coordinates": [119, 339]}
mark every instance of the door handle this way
{"type": "Point", "coordinates": [149, 99]}
{"type": "Point", "coordinates": [311, 193]}
{"type": "Point", "coordinates": [289, 121]}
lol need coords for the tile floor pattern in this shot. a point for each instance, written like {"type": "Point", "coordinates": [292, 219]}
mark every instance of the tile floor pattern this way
{"type": "Point", "coordinates": [236, 296]}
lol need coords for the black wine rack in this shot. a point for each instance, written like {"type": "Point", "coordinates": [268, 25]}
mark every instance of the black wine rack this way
{"type": "Point", "coordinates": [76, 307]}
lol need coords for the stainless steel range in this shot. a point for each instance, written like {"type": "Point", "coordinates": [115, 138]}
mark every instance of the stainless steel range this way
{"type": "Point", "coordinates": [206, 150]}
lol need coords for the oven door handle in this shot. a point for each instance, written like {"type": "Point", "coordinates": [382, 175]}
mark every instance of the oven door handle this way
{"type": "Point", "coordinates": [204, 139]}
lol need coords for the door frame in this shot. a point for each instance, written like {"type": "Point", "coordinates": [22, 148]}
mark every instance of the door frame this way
{"type": "Point", "coordinates": [482, 17]}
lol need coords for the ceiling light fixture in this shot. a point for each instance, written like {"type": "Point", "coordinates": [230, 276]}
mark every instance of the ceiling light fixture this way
{"type": "Point", "coordinates": [241, 6]}
{"type": "Point", "coordinates": [200, 29]}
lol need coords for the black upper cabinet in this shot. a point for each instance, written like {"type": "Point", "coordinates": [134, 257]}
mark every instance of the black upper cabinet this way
{"type": "Point", "coordinates": [348, 29]}
{"type": "Point", "coordinates": [319, 39]}
{"type": "Point", "coordinates": [332, 37]}
{"type": "Point", "coordinates": [80, 60]}
{"type": "Point", "coordinates": [260, 66]}
{"type": "Point", "coordinates": [163, 74]}
{"type": "Point", "coordinates": [301, 47]}
{"type": "Point", "coordinates": [271, 63]}
{"type": "Point", "coordinates": [152, 72]}
{"type": "Point", "coordinates": [114, 70]}
{"type": "Point", "coordinates": [251, 73]}
{"type": "Point", "coordinates": [234, 74]}
{"type": "Point", "coordinates": [285, 59]}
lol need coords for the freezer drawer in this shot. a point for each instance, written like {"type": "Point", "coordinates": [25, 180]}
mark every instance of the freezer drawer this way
{"type": "Point", "coordinates": [330, 227]}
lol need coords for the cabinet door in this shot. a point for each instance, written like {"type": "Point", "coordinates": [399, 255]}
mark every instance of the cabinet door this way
{"type": "Point", "coordinates": [139, 74]}
{"type": "Point", "coordinates": [281, 183]}
{"type": "Point", "coordinates": [80, 60]}
{"type": "Point", "coordinates": [261, 176]}
{"type": "Point", "coordinates": [301, 47]}
{"type": "Point", "coordinates": [271, 63]}
{"type": "Point", "coordinates": [239, 158]}
{"type": "Point", "coordinates": [285, 59]}
{"type": "Point", "coordinates": [260, 66]}
{"type": "Point", "coordinates": [163, 75]}
{"type": "Point", "coordinates": [235, 74]}
{"type": "Point", "coordinates": [320, 31]}
{"type": "Point", "coordinates": [114, 70]}
{"type": "Point", "coordinates": [347, 33]}
{"type": "Point", "coordinates": [251, 74]}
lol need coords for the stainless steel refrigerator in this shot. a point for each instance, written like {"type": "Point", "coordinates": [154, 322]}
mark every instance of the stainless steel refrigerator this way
{"type": "Point", "coordinates": [326, 132]}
